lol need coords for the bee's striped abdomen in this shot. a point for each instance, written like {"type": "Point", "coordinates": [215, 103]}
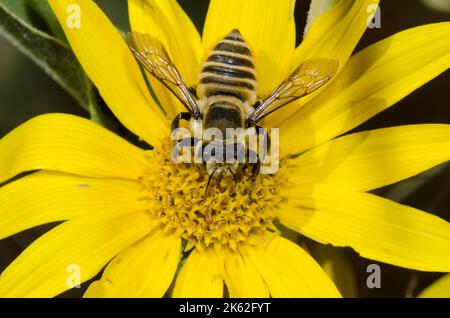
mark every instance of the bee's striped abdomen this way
{"type": "Point", "coordinates": [229, 70]}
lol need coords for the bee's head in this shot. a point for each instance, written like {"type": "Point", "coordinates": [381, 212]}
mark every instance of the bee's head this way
{"type": "Point", "coordinates": [222, 169]}
{"type": "Point", "coordinates": [220, 158]}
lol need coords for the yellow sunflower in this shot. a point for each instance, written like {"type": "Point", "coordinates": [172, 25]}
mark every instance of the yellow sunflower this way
{"type": "Point", "coordinates": [145, 218]}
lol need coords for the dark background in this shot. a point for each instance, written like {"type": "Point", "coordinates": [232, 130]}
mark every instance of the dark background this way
{"type": "Point", "coordinates": [26, 91]}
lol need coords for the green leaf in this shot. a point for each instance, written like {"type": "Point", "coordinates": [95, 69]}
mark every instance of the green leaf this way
{"type": "Point", "coordinates": [438, 5]}
{"type": "Point", "coordinates": [403, 190]}
{"type": "Point", "coordinates": [101, 116]}
{"type": "Point", "coordinates": [36, 13]}
{"type": "Point", "coordinates": [31, 26]}
{"type": "Point", "coordinates": [337, 267]}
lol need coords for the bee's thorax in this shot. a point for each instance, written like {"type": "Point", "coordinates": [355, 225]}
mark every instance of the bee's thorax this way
{"type": "Point", "coordinates": [223, 115]}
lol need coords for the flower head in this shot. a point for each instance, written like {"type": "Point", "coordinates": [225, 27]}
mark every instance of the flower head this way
{"type": "Point", "coordinates": [146, 217]}
{"type": "Point", "coordinates": [176, 196]}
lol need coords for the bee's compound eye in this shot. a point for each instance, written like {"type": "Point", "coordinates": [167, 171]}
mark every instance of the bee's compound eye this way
{"type": "Point", "coordinates": [208, 153]}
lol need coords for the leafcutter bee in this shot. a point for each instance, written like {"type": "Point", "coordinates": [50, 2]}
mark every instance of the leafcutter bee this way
{"type": "Point", "coordinates": [226, 94]}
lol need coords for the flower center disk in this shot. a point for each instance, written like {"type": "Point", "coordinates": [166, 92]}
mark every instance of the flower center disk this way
{"type": "Point", "coordinates": [228, 215]}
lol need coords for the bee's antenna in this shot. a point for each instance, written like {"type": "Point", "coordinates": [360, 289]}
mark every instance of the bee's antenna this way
{"type": "Point", "coordinates": [209, 181]}
{"type": "Point", "coordinates": [233, 191]}
{"type": "Point", "coordinates": [255, 170]}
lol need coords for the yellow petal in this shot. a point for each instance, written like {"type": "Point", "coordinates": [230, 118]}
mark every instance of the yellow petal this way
{"type": "Point", "coordinates": [45, 197]}
{"type": "Point", "coordinates": [71, 144]}
{"type": "Point", "coordinates": [108, 62]}
{"type": "Point", "coordinates": [333, 35]}
{"type": "Point", "coordinates": [242, 277]}
{"type": "Point", "coordinates": [291, 272]}
{"type": "Point", "coordinates": [200, 276]}
{"type": "Point", "coordinates": [78, 248]}
{"type": "Point", "coordinates": [268, 27]}
{"type": "Point", "coordinates": [375, 227]}
{"type": "Point", "coordinates": [373, 80]}
{"type": "Point", "coordinates": [167, 21]}
{"type": "Point", "coordinates": [336, 32]}
{"type": "Point", "coordinates": [439, 289]}
{"type": "Point", "coordinates": [373, 159]}
{"type": "Point", "coordinates": [145, 269]}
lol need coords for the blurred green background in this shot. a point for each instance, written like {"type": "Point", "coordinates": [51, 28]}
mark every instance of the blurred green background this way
{"type": "Point", "coordinates": [26, 91]}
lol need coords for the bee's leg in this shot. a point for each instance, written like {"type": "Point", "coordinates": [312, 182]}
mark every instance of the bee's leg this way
{"type": "Point", "coordinates": [189, 141]}
{"type": "Point", "coordinates": [181, 144]}
{"type": "Point", "coordinates": [198, 153]}
{"type": "Point", "coordinates": [255, 165]}
{"type": "Point", "coordinates": [262, 131]}
{"type": "Point", "coordinates": [235, 182]}
{"type": "Point", "coordinates": [180, 116]}
{"type": "Point", "coordinates": [255, 169]}
{"type": "Point", "coordinates": [193, 91]}
{"type": "Point", "coordinates": [239, 174]}
{"type": "Point", "coordinates": [254, 173]}
{"type": "Point", "coordinates": [209, 182]}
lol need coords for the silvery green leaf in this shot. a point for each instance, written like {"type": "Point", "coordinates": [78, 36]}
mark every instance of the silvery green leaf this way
{"type": "Point", "coordinates": [31, 26]}
{"type": "Point", "coordinates": [438, 5]}
{"type": "Point", "coordinates": [401, 191]}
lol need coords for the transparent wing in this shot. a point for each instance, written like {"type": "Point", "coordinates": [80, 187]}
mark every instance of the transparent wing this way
{"type": "Point", "coordinates": [150, 52]}
{"type": "Point", "coordinates": [306, 79]}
